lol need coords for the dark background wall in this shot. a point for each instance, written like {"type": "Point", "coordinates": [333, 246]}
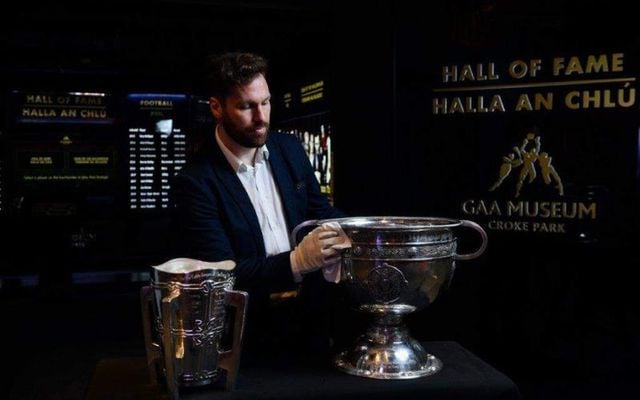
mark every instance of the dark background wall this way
{"type": "Point", "coordinates": [121, 48]}
{"type": "Point", "coordinates": [542, 306]}
{"type": "Point", "coordinates": [539, 306]}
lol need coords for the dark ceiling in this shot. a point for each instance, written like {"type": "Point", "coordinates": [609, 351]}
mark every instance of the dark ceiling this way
{"type": "Point", "coordinates": [159, 42]}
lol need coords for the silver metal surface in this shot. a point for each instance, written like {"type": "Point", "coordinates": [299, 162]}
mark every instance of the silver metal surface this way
{"type": "Point", "coordinates": [396, 265]}
{"type": "Point", "coordinates": [387, 352]}
{"type": "Point", "coordinates": [188, 300]}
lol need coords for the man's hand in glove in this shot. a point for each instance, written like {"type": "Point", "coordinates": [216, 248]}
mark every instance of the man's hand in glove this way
{"type": "Point", "coordinates": [315, 251]}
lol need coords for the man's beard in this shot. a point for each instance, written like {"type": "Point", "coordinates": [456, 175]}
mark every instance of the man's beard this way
{"type": "Point", "coordinates": [246, 137]}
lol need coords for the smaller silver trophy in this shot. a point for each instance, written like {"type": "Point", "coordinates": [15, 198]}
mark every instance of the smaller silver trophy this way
{"type": "Point", "coordinates": [189, 300]}
{"type": "Point", "coordinates": [395, 266]}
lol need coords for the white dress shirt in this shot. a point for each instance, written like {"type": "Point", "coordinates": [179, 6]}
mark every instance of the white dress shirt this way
{"type": "Point", "coordinates": [259, 184]}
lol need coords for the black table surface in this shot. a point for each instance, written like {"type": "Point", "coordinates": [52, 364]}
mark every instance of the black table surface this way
{"type": "Point", "coordinates": [464, 376]}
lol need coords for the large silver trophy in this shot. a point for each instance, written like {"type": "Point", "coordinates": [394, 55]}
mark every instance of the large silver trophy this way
{"type": "Point", "coordinates": [189, 299]}
{"type": "Point", "coordinates": [395, 266]}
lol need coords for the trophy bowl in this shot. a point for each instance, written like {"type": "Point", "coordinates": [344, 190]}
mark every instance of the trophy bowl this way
{"type": "Point", "coordinates": [395, 266]}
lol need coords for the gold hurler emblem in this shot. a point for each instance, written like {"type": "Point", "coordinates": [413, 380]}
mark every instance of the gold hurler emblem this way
{"type": "Point", "coordinates": [525, 158]}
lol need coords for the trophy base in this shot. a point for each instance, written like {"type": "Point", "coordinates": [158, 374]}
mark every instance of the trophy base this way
{"type": "Point", "coordinates": [379, 355]}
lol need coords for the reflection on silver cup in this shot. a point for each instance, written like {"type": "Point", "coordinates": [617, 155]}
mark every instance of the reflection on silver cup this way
{"type": "Point", "coordinates": [189, 300]}
{"type": "Point", "coordinates": [396, 265]}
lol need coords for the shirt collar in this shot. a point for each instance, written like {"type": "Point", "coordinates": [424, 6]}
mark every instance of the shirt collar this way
{"type": "Point", "coordinates": [238, 166]}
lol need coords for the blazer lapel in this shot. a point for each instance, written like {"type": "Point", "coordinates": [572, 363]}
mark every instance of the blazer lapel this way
{"type": "Point", "coordinates": [284, 183]}
{"type": "Point", "coordinates": [231, 182]}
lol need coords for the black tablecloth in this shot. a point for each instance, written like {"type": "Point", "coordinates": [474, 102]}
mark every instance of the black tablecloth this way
{"type": "Point", "coordinates": [464, 376]}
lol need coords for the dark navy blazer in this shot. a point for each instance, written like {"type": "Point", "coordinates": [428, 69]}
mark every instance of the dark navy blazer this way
{"type": "Point", "coordinates": [215, 220]}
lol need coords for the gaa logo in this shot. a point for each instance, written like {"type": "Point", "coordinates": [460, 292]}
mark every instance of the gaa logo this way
{"type": "Point", "coordinates": [524, 162]}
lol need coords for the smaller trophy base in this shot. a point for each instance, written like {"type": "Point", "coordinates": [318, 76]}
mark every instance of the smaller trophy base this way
{"type": "Point", "coordinates": [382, 359]}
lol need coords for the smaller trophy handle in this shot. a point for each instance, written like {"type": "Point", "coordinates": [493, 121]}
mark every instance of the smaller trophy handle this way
{"type": "Point", "coordinates": [230, 360]}
{"type": "Point", "coordinates": [169, 305]}
{"type": "Point", "coordinates": [483, 246]}
{"type": "Point", "coordinates": [294, 233]}
{"type": "Point", "coordinates": [152, 348]}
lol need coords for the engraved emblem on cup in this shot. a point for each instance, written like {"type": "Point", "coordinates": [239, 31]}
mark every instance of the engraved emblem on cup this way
{"type": "Point", "coordinates": [396, 265]}
{"type": "Point", "coordinates": [189, 300]}
{"type": "Point", "coordinates": [386, 282]}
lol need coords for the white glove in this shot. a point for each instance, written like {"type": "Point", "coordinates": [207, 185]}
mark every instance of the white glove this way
{"type": "Point", "coordinates": [314, 252]}
{"type": "Point", "coordinates": [331, 272]}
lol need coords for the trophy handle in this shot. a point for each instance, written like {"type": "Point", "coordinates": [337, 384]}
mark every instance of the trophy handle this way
{"type": "Point", "coordinates": [169, 305]}
{"type": "Point", "coordinates": [152, 348]}
{"type": "Point", "coordinates": [294, 233]}
{"type": "Point", "coordinates": [230, 360]}
{"type": "Point", "coordinates": [483, 246]}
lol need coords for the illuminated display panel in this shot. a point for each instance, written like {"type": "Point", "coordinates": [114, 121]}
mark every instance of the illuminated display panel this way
{"type": "Point", "coordinates": [157, 147]}
{"type": "Point", "coordinates": [56, 141]}
{"type": "Point", "coordinates": [62, 153]}
{"type": "Point", "coordinates": [314, 132]}
{"type": "Point", "coordinates": [64, 174]}
{"type": "Point", "coordinates": [305, 114]}
{"type": "Point", "coordinates": [71, 161]}
{"type": "Point", "coordinates": [34, 107]}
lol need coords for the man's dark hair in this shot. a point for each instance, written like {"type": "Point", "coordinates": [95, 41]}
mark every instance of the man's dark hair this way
{"type": "Point", "coordinates": [229, 70]}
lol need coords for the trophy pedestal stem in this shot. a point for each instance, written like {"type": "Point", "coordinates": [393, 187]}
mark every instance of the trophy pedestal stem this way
{"type": "Point", "coordinates": [386, 351]}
